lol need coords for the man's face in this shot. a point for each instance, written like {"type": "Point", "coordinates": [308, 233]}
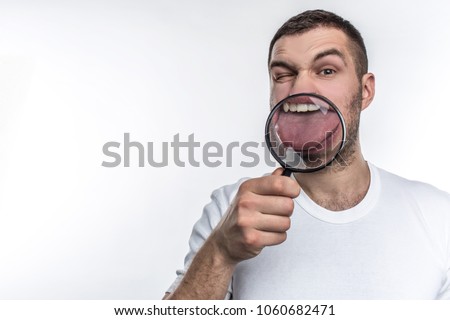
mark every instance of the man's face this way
{"type": "Point", "coordinates": [318, 61]}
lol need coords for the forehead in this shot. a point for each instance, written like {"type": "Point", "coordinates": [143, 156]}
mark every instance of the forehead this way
{"type": "Point", "coordinates": [308, 44]}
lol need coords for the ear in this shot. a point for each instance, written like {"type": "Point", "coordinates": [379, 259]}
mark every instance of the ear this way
{"type": "Point", "coordinates": [368, 89]}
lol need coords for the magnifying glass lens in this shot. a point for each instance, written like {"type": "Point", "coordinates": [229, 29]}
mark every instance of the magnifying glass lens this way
{"type": "Point", "coordinates": [305, 132]}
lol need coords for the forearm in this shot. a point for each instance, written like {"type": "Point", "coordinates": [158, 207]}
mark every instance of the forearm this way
{"type": "Point", "coordinates": [208, 276]}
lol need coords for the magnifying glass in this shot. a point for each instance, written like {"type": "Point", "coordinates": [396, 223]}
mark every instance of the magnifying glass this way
{"type": "Point", "coordinates": [305, 132]}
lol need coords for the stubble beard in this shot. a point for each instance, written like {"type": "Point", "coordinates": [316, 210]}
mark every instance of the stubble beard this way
{"type": "Point", "coordinates": [348, 153]}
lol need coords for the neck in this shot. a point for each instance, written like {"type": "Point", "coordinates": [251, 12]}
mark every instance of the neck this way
{"type": "Point", "coordinates": [338, 187]}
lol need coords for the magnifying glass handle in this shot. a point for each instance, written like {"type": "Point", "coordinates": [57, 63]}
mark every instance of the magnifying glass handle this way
{"type": "Point", "coordinates": [286, 172]}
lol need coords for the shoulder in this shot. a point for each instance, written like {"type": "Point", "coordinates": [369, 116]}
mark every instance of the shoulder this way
{"type": "Point", "coordinates": [224, 195]}
{"type": "Point", "coordinates": [213, 211]}
{"type": "Point", "coordinates": [432, 202]}
{"type": "Point", "coordinates": [417, 189]}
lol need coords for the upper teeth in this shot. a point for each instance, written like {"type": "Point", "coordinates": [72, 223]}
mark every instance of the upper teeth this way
{"type": "Point", "coordinates": [300, 107]}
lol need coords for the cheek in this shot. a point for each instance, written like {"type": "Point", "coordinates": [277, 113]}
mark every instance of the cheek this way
{"type": "Point", "coordinates": [351, 110]}
{"type": "Point", "coordinates": [336, 91]}
{"type": "Point", "coordinates": [345, 106]}
{"type": "Point", "coordinates": [278, 92]}
{"type": "Point", "coordinates": [342, 94]}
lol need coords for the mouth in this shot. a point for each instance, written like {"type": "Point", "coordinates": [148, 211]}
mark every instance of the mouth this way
{"type": "Point", "coordinates": [303, 107]}
{"type": "Point", "coordinates": [307, 127]}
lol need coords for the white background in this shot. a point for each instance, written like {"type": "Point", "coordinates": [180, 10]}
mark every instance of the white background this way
{"type": "Point", "coordinates": [77, 74]}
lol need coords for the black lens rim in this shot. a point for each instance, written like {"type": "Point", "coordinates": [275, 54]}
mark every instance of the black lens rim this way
{"type": "Point", "coordinates": [269, 120]}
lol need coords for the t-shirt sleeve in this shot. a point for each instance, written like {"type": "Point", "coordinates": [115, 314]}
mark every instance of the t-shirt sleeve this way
{"type": "Point", "coordinates": [435, 205]}
{"type": "Point", "coordinates": [445, 291]}
{"type": "Point", "coordinates": [211, 216]}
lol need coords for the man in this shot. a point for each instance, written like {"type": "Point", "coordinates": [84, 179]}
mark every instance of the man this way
{"type": "Point", "coordinates": [355, 231]}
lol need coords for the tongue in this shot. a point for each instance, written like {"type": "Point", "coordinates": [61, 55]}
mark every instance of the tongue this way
{"type": "Point", "coordinates": [306, 130]}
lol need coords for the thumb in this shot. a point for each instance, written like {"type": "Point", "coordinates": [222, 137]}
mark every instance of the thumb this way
{"type": "Point", "coordinates": [278, 172]}
{"type": "Point", "coordinates": [294, 185]}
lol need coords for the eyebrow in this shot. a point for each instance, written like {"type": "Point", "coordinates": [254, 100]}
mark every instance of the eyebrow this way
{"type": "Point", "coordinates": [282, 64]}
{"type": "Point", "coordinates": [320, 55]}
{"type": "Point", "coordinates": [330, 52]}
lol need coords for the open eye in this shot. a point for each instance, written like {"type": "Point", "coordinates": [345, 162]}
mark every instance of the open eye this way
{"type": "Point", "coordinates": [327, 72]}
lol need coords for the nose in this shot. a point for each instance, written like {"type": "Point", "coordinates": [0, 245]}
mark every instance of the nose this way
{"type": "Point", "coordinates": [303, 83]}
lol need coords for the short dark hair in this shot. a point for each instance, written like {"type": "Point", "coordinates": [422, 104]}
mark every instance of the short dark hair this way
{"type": "Point", "coordinates": [312, 19]}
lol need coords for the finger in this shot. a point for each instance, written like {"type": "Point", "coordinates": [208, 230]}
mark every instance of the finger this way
{"type": "Point", "coordinates": [278, 172]}
{"type": "Point", "coordinates": [272, 223]}
{"type": "Point", "coordinates": [274, 205]}
{"type": "Point", "coordinates": [271, 238]}
{"type": "Point", "coordinates": [282, 172]}
{"type": "Point", "coordinates": [272, 185]}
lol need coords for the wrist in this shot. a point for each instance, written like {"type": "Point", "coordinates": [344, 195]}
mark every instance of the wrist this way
{"type": "Point", "coordinates": [219, 252]}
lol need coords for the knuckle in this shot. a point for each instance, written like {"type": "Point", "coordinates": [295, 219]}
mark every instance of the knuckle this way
{"type": "Point", "coordinates": [251, 239]}
{"type": "Point", "coordinates": [293, 188]}
{"type": "Point", "coordinates": [286, 206]}
{"type": "Point", "coordinates": [242, 221]}
{"type": "Point", "coordinates": [245, 186]}
{"type": "Point", "coordinates": [288, 224]}
{"type": "Point", "coordinates": [278, 185]}
{"type": "Point", "coordinates": [280, 238]}
{"type": "Point", "coordinates": [296, 189]}
{"type": "Point", "coordinates": [244, 202]}
{"type": "Point", "coordinates": [283, 237]}
{"type": "Point", "coordinates": [289, 205]}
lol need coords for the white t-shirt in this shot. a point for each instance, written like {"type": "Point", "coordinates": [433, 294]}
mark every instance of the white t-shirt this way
{"type": "Point", "coordinates": [395, 244]}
